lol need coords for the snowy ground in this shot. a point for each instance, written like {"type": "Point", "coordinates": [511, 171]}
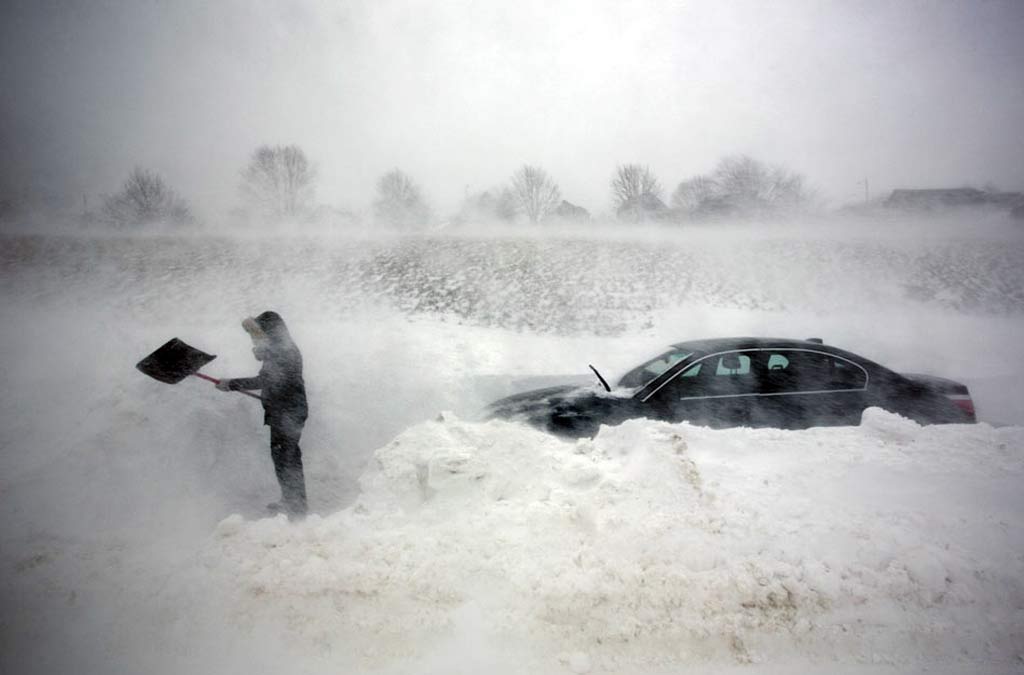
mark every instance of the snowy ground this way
{"type": "Point", "coordinates": [132, 537]}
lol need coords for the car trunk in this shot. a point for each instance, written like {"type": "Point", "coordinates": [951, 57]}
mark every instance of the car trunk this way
{"type": "Point", "coordinates": [954, 391]}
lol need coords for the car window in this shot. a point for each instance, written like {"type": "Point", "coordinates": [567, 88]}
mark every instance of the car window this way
{"type": "Point", "coordinates": [692, 371]}
{"type": "Point", "coordinates": [732, 374]}
{"type": "Point", "coordinates": [845, 375]}
{"type": "Point", "coordinates": [733, 364]}
{"type": "Point", "coordinates": [717, 375]}
{"type": "Point", "coordinates": [795, 371]}
{"type": "Point", "coordinates": [764, 371]}
{"type": "Point", "coordinates": [725, 374]}
{"type": "Point", "coordinates": [651, 369]}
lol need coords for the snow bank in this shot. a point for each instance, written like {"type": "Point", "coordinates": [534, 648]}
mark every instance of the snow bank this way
{"type": "Point", "coordinates": [487, 547]}
{"type": "Point", "coordinates": [656, 544]}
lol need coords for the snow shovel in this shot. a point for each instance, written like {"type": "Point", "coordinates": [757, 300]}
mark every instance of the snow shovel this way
{"type": "Point", "coordinates": [175, 360]}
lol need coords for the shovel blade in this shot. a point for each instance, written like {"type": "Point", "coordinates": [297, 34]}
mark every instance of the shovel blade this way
{"type": "Point", "coordinates": [174, 361]}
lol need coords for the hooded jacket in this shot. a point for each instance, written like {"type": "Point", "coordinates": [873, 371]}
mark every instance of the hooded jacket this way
{"type": "Point", "coordinates": [280, 382]}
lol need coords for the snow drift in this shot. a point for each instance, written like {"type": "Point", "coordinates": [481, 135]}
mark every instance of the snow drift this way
{"type": "Point", "coordinates": [656, 544]}
{"type": "Point", "coordinates": [133, 537]}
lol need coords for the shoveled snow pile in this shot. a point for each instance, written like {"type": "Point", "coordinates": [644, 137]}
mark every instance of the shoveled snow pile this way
{"type": "Point", "coordinates": [651, 546]}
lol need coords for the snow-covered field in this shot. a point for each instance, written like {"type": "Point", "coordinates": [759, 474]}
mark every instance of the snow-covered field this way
{"type": "Point", "coordinates": [133, 539]}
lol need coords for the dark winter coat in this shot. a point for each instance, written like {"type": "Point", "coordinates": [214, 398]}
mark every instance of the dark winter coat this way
{"type": "Point", "coordinates": [280, 382]}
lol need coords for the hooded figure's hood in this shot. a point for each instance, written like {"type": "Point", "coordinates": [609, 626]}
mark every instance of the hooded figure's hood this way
{"type": "Point", "coordinates": [269, 326]}
{"type": "Point", "coordinates": [269, 334]}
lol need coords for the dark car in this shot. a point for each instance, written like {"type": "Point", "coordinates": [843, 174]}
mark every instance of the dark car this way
{"type": "Point", "coordinates": [744, 382]}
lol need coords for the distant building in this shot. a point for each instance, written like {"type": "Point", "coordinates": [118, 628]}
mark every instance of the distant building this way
{"type": "Point", "coordinates": [643, 207]}
{"type": "Point", "coordinates": [927, 200]}
{"type": "Point", "coordinates": [1008, 199]}
{"type": "Point", "coordinates": [933, 199]}
{"type": "Point", "coordinates": [569, 211]}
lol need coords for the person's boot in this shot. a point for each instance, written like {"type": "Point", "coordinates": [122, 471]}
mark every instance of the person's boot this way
{"type": "Point", "coordinates": [295, 508]}
{"type": "Point", "coordinates": [297, 512]}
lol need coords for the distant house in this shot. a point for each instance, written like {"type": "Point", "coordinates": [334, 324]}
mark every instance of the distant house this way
{"type": "Point", "coordinates": [643, 207]}
{"type": "Point", "coordinates": [718, 206]}
{"type": "Point", "coordinates": [569, 211]}
{"type": "Point", "coordinates": [934, 199]}
{"type": "Point", "coordinates": [927, 200]}
{"type": "Point", "coordinates": [1008, 199]}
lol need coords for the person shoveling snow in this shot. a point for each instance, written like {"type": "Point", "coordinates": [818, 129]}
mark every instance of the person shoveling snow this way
{"type": "Point", "coordinates": [282, 392]}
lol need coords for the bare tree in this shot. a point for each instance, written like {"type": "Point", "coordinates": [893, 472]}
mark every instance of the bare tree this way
{"type": "Point", "coordinates": [633, 182]}
{"type": "Point", "coordinates": [145, 198]}
{"type": "Point", "coordinates": [399, 201]}
{"type": "Point", "coordinates": [742, 185]}
{"type": "Point", "coordinates": [690, 194]}
{"type": "Point", "coordinates": [748, 183]}
{"type": "Point", "coordinates": [637, 193]}
{"type": "Point", "coordinates": [279, 182]}
{"type": "Point", "coordinates": [534, 193]}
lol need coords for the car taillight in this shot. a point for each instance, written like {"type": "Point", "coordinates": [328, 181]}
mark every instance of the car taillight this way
{"type": "Point", "coordinates": [964, 402]}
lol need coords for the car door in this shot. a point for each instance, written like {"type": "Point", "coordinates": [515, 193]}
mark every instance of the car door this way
{"type": "Point", "coordinates": [681, 398]}
{"type": "Point", "coordinates": [802, 388]}
{"type": "Point", "coordinates": [715, 391]}
{"type": "Point", "coordinates": [732, 388]}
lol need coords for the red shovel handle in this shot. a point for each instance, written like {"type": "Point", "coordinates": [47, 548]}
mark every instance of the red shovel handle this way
{"type": "Point", "coordinates": [216, 381]}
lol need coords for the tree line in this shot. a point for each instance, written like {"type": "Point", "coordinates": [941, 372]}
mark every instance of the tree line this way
{"type": "Point", "coordinates": [278, 185]}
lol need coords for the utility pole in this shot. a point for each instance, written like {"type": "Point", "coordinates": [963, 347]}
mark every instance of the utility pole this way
{"type": "Point", "coordinates": [867, 191]}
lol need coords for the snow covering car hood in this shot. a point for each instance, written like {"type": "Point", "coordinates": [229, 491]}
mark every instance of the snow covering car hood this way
{"type": "Point", "coordinates": [566, 410]}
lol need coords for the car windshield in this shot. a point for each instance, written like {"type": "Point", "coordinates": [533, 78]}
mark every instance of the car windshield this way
{"type": "Point", "coordinates": [647, 371]}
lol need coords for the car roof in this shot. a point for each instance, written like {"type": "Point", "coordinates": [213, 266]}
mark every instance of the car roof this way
{"type": "Point", "coordinates": [730, 343]}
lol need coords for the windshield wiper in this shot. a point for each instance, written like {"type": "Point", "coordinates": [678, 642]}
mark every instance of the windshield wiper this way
{"type": "Point", "coordinates": [603, 383]}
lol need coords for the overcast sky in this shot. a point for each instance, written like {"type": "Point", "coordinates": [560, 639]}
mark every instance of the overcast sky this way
{"type": "Point", "coordinates": [459, 94]}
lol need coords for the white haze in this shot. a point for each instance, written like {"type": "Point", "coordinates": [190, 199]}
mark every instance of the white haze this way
{"type": "Point", "coordinates": [115, 487]}
{"type": "Point", "coordinates": [459, 94]}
